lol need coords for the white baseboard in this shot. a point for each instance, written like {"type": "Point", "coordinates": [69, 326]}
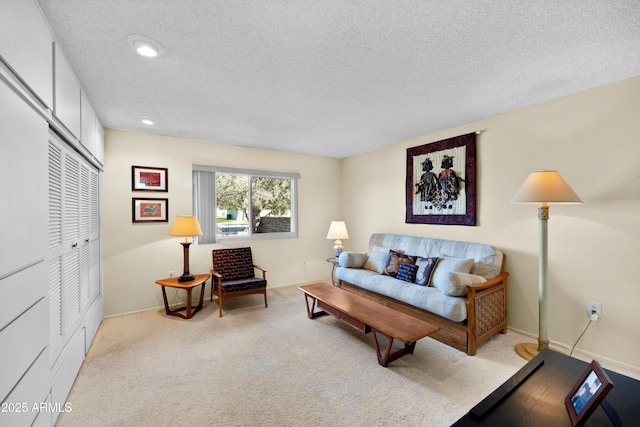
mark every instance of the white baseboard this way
{"type": "Point", "coordinates": [587, 356]}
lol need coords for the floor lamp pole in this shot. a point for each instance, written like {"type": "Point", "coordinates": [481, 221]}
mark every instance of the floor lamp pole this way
{"type": "Point", "coordinates": [543, 218]}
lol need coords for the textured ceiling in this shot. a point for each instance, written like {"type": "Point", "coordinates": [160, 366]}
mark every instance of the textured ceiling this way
{"type": "Point", "coordinates": [337, 77]}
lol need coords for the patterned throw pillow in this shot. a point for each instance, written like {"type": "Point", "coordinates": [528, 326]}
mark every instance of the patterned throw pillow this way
{"type": "Point", "coordinates": [407, 272]}
{"type": "Point", "coordinates": [394, 261]}
{"type": "Point", "coordinates": [426, 267]}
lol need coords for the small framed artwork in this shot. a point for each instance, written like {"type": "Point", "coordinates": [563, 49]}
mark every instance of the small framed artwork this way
{"type": "Point", "coordinates": [587, 393]}
{"type": "Point", "coordinates": [441, 182]}
{"type": "Point", "coordinates": [145, 178]}
{"type": "Point", "coordinates": [150, 210]}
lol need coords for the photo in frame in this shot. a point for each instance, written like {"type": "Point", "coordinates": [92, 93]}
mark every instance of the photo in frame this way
{"type": "Point", "coordinates": [587, 393]}
{"type": "Point", "coordinates": [146, 178]}
{"type": "Point", "coordinates": [441, 182]}
{"type": "Point", "coordinates": [150, 210]}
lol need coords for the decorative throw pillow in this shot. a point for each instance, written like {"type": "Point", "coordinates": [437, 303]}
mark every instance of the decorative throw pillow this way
{"type": "Point", "coordinates": [455, 284]}
{"type": "Point", "coordinates": [377, 260]}
{"type": "Point", "coordinates": [407, 272]}
{"type": "Point", "coordinates": [394, 261]}
{"type": "Point", "coordinates": [448, 264]}
{"type": "Point", "coordinates": [426, 267]}
{"type": "Point", "coordinates": [352, 259]}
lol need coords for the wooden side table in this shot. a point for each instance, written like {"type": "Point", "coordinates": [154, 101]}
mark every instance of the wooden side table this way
{"type": "Point", "coordinates": [172, 282]}
{"type": "Point", "coordinates": [334, 262]}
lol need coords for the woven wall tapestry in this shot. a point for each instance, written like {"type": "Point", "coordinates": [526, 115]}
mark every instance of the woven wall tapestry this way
{"type": "Point", "coordinates": [441, 182]}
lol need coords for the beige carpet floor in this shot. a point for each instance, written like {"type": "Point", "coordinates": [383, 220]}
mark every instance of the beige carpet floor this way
{"type": "Point", "coordinates": [273, 367]}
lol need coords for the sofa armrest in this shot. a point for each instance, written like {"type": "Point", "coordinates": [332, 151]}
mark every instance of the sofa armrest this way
{"type": "Point", "coordinates": [496, 281]}
{"type": "Point", "coordinates": [352, 259]}
{"type": "Point", "coordinates": [486, 310]}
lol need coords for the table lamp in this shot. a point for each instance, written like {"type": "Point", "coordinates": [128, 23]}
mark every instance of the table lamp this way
{"type": "Point", "coordinates": [187, 226]}
{"type": "Point", "coordinates": [337, 231]}
{"type": "Point", "coordinates": [542, 188]}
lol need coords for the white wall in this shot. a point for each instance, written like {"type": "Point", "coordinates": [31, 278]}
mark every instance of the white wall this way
{"type": "Point", "coordinates": [136, 255]}
{"type": "Point", "coordinates": [593, 139]}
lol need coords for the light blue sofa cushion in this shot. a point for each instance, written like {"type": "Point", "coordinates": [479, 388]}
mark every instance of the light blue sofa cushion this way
{"type": "Point", "coordinates": [486, 262]}
{"type": "Point", "coordinates": [424, 297]}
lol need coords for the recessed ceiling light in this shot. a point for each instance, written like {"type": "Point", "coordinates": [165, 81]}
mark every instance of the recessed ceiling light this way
{"type": "Point", "coordinates": [145, 46]}
{"type": "Point", "coordinates": [149, 121]}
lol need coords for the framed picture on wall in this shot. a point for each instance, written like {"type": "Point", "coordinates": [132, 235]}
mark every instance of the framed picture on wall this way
{"type": "Point", "coordinates": [150, 210]}
{"type": "Point", "coordinates": [145, 178]}
{"type": "Point", "coordinates": [441, 182]}
{"type": "Point", "coordinates": [587, 393]}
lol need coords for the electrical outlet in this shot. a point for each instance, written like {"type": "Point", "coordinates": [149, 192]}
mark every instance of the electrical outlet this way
{"type": "Point", "coordinates": [170, 273]}
{"type": "Point", "coordinates": [594, 308]}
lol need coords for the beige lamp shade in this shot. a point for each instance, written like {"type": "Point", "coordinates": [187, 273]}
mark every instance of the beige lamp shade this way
{"type": "Point", "coordinates": [185, 225]}
{"type": "Point", "coordinates": [545, 186]}
{"type": "Point", "coordinates": [338, 230]}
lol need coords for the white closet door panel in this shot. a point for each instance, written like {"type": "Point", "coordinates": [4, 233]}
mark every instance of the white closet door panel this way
{"type": "Point", "coordinates": [55, 199]}
{"type": "Point", "coordinates": [99, 154]}
{"type": "Point", "coordinates": [20, 291]}
{"type": "Point", "coordinates": [94, 205]}
{"type": "Point", "coordinates": [26, 45]}
{"type": "Point", "coordinates": [21, 343]}
{"type": "Point", "coordinates": [66, 93]}
{"type": "Point", "coordinates": [32, 389]}
{"type": "Point", "coordinates": [56, 341]}
{"type": "Point", "coordinates": [88, 124]}
{"type": "Point", "coordinates": [70, 293]}
{"type": "Point", "coordinates": [94, 318]}
{"type": "Point", "coordinates": [23, 183]}
{"type": "Point", "coordinates": [66, 371]}
{"type": "Point", "coordinates": [94, 270]}
{"type": "Point", "coordinates": [71, 202]}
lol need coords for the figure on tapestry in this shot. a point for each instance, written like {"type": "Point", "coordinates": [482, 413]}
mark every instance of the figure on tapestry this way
{"type": "Point", "coordinates": [449, 182]}
{"type": "Point", "coordinates": [428, 185]}
{"type": "Point", "coordinates": [439, 191]}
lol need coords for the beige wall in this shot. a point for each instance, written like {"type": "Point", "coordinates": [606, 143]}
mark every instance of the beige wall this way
{"type": "Point", "coordinates": [593, 140]}
{"type": "Point", "coordinates": [135, 255]}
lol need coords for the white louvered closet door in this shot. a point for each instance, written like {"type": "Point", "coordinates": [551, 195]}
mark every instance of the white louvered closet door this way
{"type": "Point", "coordinates": [55, 250]}
{"type": "Point", "coordinates": [71, 245]}
{"type": "Point", "coordinates": [94, 235]}
{"type": "Point", "coordinates": [74, 242]}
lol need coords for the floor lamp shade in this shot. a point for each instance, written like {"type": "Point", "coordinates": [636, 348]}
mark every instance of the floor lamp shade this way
{"type": "Point", "coordinates": [187, 226]}
{"type": "Point", "coordinates": [337, 231]}
{"type": "Point", "coordinates": [543, 188]}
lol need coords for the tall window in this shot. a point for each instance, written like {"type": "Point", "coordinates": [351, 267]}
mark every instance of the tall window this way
{"type": "Point", "coordinates": [238, 204]}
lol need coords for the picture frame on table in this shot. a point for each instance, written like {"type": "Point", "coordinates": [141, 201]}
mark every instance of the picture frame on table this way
{"type": "Point", "coordinates": [587, 393]}
{"type": "Point", "coordinates": [148, 178]}
{"type": "Point", "coordinates": [150, 210]}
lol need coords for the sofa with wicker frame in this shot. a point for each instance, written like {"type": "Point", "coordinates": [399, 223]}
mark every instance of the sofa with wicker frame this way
{"type": "Point", "coordinates": [459, 286]}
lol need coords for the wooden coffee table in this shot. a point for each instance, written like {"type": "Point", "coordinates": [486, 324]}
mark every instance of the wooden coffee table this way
{"type": "Point", "coordinates": [367, 316]}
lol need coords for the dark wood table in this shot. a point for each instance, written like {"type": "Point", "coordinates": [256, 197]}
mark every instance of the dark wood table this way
{"type": "Point", "coordinates": [538, 399]}
{"type": "Point", "coordinates": [367, 316]}
{"type": "Point", "coordinates": [172, 282]}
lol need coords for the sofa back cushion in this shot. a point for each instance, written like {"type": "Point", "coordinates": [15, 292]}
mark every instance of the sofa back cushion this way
{"type": "Point", "coordinates": [487, 260]}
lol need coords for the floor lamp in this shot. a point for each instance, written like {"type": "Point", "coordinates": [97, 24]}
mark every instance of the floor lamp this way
{"type": "Point", "coordinates": [542, 188]}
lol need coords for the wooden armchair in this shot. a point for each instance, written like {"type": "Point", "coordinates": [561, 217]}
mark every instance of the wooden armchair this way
{"type": "Point", "coordinates": [233, 275]}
